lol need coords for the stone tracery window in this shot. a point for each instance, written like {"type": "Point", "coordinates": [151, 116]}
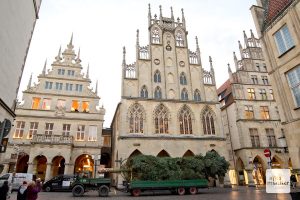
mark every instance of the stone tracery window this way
{"type": "Point", "coordinates": [161, 119]}
{"type": "Point", "coordinates": [157, 93]}
{"type": "Point", "coordinates": [144, 92]}
{"type": "Point", "coordinates": [184, 94]}
{"type": "Point", "coordinates": [136, 119]}
{"type": "Point", "coordinates": [185, 121]}
{"type": "Point", "coordinates": [197, 96]}
{"type": "Point", "coordinates": [179, 39]}
{"type": "Point", "coordinates": [155, 36]}
{"type": "Point", "coordinates": [208, 123]}
{"type": "Point", "coordinates": [157, 77]}
{"type": "Point", "coordinates": [182, 79]}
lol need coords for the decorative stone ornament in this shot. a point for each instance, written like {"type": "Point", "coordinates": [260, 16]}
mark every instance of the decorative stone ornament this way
{"type": "Point", "coordinates": [181, 64]}
{"type": "Point", "coordinates": [157, 61]}
{"type": "Point", "coordinates": [168, 47]}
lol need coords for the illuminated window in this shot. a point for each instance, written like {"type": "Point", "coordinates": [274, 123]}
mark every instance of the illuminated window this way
{"type": "Point", "coordinates": [264, 112]}
{"type": "Point", "coordinates": [61, 103]}
{"type": "Point", "coordinates": [80, 133]}
{"type": "Point", "coordinates": [19, 129]}
{"type": "Point", "coordinates": [263, 94]}
{"type": "Point", "coordinates": [254, 137]}
{"type": "Point", "coordinates": [249, 114]}
{"type": "Point", "coordinates": [33, 129]}
{"type": "Point", "coordinates": [185, 121]}
{"type": "Point", "coordinates": [35, 103]}
{"type": "Point", "coordinates": [161, 119]}
{"type": "Point", "coordinates": [208, 123]}
{"type": "Point", "coordinates": [49, 128]}
{"type": "Point", "coordinates": [92, 133]}
{"type": "Point", "coordinates": [66, 129]}
{"type": "Point", "coordinates": [251, 93]}
{"type": "Point", "coordinates": [85, 106]}
{"type": "Point", "coordinates": [136, 119]}
{"type": "Point", "coordinates": [75, 106]}
{"type": "Point", "coordinates": [271, 137]}
{"type": "Point", "coordinates": [46, 104]}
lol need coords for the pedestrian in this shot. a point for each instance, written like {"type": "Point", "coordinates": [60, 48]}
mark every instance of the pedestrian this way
{"type": "Point", "coordinates": [4, 190]}
{"type": "Point", "coordinates": [22, 191]}
{"type": "Point", "coordinates": [293, 181]}
{"type": "Point", "coordinates": [33, 189]}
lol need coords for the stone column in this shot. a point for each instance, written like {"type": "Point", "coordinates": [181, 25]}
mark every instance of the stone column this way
{"type": "Point", "coordinates": [69, 168]}
{"type": "Point", "coordinates": [5, 168]}
{"type": "Point", "coordinates": [297, 172]}
{"type": "Point", "coordinates": [48, 171]}
{"type": "Point", "coordinates": [251, 182]}
{"type": "Point", "coordinates": [30, 168]}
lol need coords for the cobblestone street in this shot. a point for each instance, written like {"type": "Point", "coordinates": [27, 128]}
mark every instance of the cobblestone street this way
{"type": "Point", "coordinates": [240, 193]}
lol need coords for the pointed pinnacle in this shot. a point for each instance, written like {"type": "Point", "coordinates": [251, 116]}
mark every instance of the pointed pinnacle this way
{"type": "Point", "coordinates": [78, 56]}
{"type": "Point", "coordinates": [88, 71]}
{"type": "Point", "coordinates": [71, 40]}
{"type": "Point", "coordinates": [29, 82]}
{"type": "Point", "coordinates": [44, 69]}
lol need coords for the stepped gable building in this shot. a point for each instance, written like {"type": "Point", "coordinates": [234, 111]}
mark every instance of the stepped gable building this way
{"type": "Point", "coordinates": [250, 116]}
{"type": "Point", "coordinates": [278, 25]}
{"type": "Point", "coordinates": [169, 104]}
{"type": "Point", "coordinates": [58, 128]}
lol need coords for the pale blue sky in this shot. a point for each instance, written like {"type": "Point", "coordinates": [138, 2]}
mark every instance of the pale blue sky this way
{"type": "Point", "coordinates": [101, 28]}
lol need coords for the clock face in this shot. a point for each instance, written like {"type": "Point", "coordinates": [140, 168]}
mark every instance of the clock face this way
{"type": "Point", "coordinates": [181, 64]}
{"type": "Point", "coordinates": [156, 61]}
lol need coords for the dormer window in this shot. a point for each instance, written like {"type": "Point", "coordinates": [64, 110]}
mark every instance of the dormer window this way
{"type": "Point", "coordinates": [155, 36]}
{"type": "Point", "coordinates": [46, 104]}
{"type": "Point", "coordinates": [35, 103]}
{"type": "Point", "coordinates": [75, 106]}
{"type": "Point", "coordinates": [85, 106]}
{"type": "Point", "coordinates": [48, 85]}
{"type": "Point", "coordinates": [61, 72]}
{"type": "Point", "coordinates": [71, 72]}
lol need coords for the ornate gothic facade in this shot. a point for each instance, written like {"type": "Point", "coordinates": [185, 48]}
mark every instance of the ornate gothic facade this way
{"type": "Point", "coordinates": [169, 104]}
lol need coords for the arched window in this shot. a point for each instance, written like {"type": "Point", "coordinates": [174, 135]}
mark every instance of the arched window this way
{"type": "Point", "coordinates": [136, 119]}
{"type": "Point", "coordinates": [197, 95]}
{"type": "Point", "coordinates": [184, 94]}
{"type": "Point", "coordinates": [155, 36]}
{"type": "Point", "coordinates": [208, 122]}
{"type": "Point", "coordinates": [183, 79]}
{"type": "Point", "coordinates": [144, 92]}
{"type": "Point", "coordinates": [185, 121]}
{"type": "Point", "coordinates": [157, 93]}
{"type": "Point", "coordinates": [161, 119]}
{"type": "Point", "coordinates": [157, 78]}
{"type": "Point", "coordinates": [179, 39]}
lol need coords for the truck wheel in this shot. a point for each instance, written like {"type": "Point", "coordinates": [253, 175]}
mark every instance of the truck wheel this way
{"type": "Point", "coordinates": [48, 189]}
{"type": "Point", "coordinates": [78, 191]}
{"type": "Point", "coordinates": [181, 191]}
{"type": "Point", "coordinates": [136, 192]}
{"type": "Point", "coordinates": [103, 191]}
{"type": "Point", "coordinates": [193, 190]}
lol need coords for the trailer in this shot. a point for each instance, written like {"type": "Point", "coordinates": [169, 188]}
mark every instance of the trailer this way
{"type": "Point", "coordinates": [82, 185]}
{"type": "Point", "coordinates": [180, 187]}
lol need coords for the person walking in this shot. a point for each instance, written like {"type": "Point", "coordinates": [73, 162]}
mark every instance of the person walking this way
{"type": "Point", "coordinates": [293, 181]}
{"type": "Point", "coordinates": [4, 190]}
{"type": "Point", "coordinates": [33, 189]}
{"type": "Point", "coordinates": [22, 191]}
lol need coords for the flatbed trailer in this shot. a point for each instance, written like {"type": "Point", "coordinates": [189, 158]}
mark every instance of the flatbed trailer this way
{"type": "Point", "coordinates": [181, 187]}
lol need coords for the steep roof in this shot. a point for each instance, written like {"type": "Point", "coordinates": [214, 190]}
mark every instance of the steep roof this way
{"type": "Point", "coordinates": [225, 93]}
{"type": "Point", "coordinates": [273, 8]}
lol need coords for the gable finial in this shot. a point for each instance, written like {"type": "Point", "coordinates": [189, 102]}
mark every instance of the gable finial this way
{"type": "Point", "coordinates": [58, 58]}
{"type": "Point", "coordinates": [96, 90]}
{"type": "Point", "coordinates": [44, 69]}
{"type": "Point", "coordinates": [172, 15]}
{"type": "Point", "coordinates": [160, 12]}
{"type": "Point", "coordinates": [229, 69]}
{"type": "Point", "coordinates": [183, 19]}
{"type": "Point", "coordinates": [241, 49]}
{"type": "Point", "coordinates": [235, 61]}
{"type": "Point", "coordinates": [149, 14]}
{"type": "Point", "coordinates": [70, 45]}
{"type": "Point", "coordinates": [245, 38]}
{"type": "Point", "coordinates": [210, 62]}
{"type": "Point", "coordinates": [124, 55]}
{"type": "Point", "coordinates": [29, 82]}
{"type": "Point", "coordinates": [88, 71]}
{"type": "Point", "coordinates": [137, 37]}
{"type": "Point", "coordinates": [198, 51]}
{"type": "Point", "coordinates": [197, 45]}
{"type": "Point", "coordinates": [252, 35]}
{"type": "Point", "coordinates": [78, 57]}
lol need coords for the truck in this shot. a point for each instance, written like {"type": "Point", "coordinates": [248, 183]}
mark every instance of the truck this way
{"type": "Point", "coordinates": [82, 185]}
{"type": "Point", "coordinates": [180, 187]}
